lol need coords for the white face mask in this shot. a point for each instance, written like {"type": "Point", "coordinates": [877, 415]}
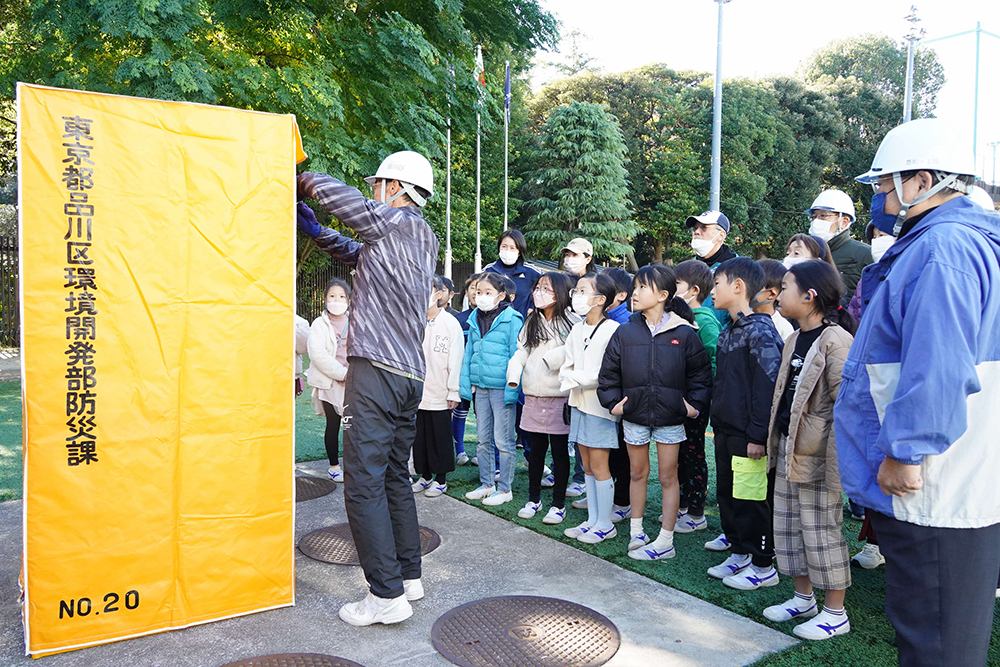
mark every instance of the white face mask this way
{"type": "Point", "coordinates": [433, 302]}
{"type": "Point", "coordinates": [821, 228]}
{"type": "Point", "coordinates": [486, 302]}
{"type": "Point", "coordinates": [336, 307]}
{"type": "Point", "coordinates": [581, 305]}
{"type": "Point", "coordinates": [543, 299]}
{"type": "Point", "coordinates": [509, 257]}
{"type": "Point", "coordinates": [790, 261]}
{"type": "Point", "coordinates": [880, 245]}
{"type": "Point", "coordinates": [575, 265]}
{"type": "Point", "coordinates": [702, 246]}
{"type": "Point", "coordinates": [687, 299]}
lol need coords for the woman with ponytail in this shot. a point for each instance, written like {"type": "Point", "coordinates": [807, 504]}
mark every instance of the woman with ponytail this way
{"type": "Point", "coordinates": [656, 374]}
{"type": "Point", "coordinates": [808, 510]}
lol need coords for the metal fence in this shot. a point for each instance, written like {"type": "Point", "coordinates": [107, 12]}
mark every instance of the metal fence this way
{"type": "Point", "coordinates": [10, 315]}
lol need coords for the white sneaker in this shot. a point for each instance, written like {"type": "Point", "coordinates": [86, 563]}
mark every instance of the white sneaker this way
{"type": "Point", "coordinates": [733, 565]}
{"type": "Point", "coordinates": [790, 610]}
{"type": "Point", "coordinates": [554, 516]}
{"type": "Point", "coordinates": [575, 490]}
{"type": "Point", "coordinates": [336, 474]}
{"type": "Point", "coordinates": [870, 557]}
{"type": "Point", "coordinates": [647, 553]}
{"type": "Point", "coordinates": [546, 470]}
{"type": "Point", "coordinates": [638, 540]}
{"type": "Point", "coordinates": [498, 498]}
{"type": "Point", "coordinates": [462, 459]}
{"type": "Point", "coordinates": [580, 504]}
{"type": "Point", "coordinates": [824, 626]}
{"type": "Point", "coordinates": [435, 490]}
{"type": "Point", "coordinates": [596, 535]}
{"type": "Point", "coordinates": [421, 485]}
{"type": "Point", "coordinates": [577, 531]}
{"type": "Point", "coordinates": [750, 579]}
{"type": "Point", "coordinates": [718, 544]}
{"type": "Point", "coordinates": [376, 610]}
{"type": "Point", "coordinates": [480, 493]}
{"type": "Point", "coordinates": [548, 481]}
{"type": "Point", "coordinates": [529, 510]}
{"type": "Point", "coordinates": [412, 589]}
{"type": "Point", "coordinates": [474, 460]}
{"type": "Point", "coordinates": [689, 524]}
{"type": "Point", "coordinates": [619, 512]}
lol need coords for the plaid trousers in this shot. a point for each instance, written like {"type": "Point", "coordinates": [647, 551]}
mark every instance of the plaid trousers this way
{"type": "Point", "coordinates": [808, 536]}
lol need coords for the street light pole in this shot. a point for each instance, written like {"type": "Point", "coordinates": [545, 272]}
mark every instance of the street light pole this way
{"type": "Point", "coordinates": [913, 37]}
{"type": "Point", "coordinates": [993, 145]}
{"type": "Point", "coordinates": [715, 187]}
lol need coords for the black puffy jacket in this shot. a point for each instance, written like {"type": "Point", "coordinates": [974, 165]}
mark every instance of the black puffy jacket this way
{"type": "Point", "coordinates": [656, 373]}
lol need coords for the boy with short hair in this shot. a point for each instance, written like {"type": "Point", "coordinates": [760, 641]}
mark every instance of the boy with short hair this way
{"type": "Point", "coordinates": [766, 300]}
{"type": "Point", "coordinates": [748, 358]}
{"type": "Point", "coordinates": [694, 284]}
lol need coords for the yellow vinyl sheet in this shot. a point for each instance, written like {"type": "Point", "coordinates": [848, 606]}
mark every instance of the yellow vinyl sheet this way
{"type": "Point", "coordinates": [157, 291]}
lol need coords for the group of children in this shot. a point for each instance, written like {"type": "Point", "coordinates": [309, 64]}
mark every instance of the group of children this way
{"type": "Point", "coordinates": [576, 372]}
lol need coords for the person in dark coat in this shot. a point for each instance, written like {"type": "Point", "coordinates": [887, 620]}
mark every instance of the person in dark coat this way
{"type": "Point", "coordinates": [513, 251]}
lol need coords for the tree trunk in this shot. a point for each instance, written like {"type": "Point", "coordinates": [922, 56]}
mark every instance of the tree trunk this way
{"type": "Point", "coordinates": [658, 249]}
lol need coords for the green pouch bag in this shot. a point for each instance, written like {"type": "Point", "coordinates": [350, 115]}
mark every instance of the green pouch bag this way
{"type": "Point", "coordinates": [749, 478]}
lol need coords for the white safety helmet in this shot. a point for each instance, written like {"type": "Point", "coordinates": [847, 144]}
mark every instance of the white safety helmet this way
{"type": "Point", "coordinates": [983, 198]}
{"type": "Point", "coordinates": [412, 170]}
{"type": "Point", "coordinates": [925, 144]}
{"type": "Point", "coordinates": [833, 200]}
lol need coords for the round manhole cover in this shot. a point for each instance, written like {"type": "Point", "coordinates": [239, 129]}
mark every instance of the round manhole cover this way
{"type": "Point", "coordinates": [310, 488]}
{"type": "Point", "coordinates": [335, 544]}
{"type": "Point", "coordinates": [293, 660]}
{"type": "Point", "coordinates": [525, 631]}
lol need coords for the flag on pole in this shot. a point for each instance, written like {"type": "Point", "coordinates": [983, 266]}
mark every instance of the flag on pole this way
{"type": "Point", "coordinates": [480, 69]}
{"type": "Point", "coordinates": [506, 93]}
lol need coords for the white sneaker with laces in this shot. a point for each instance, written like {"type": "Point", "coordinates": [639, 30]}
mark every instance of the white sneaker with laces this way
{"type": "Point", "coordinates": [529, 510]}
{"type": "Point", "coordinates": [462, 459]}
{"type": "Point", "coordinates": [689, 524]}
{"type": "Point", "coordinates": [619, 512]}
{"type": "Point", "coordinates": [734, 564]}
{"type": "Point", "coordinates": [498, 498]}
{"type": "Point", "coordinates": [374, 609]}
{"type": "Point", "coordinates": [435, 490]}
{"type": "Point", "coordinates": [577, 531]}
{"type": "Point", "coordinates": [555, 516]}
{"type": "Point", "coordinates": [718, 544]}
{"type": "Point", "coordinates": [336, 474]}
{"type": "Point", "coordinates": [575, 490]}
{"type": "Point", "coordinates": [824, 626]}
{"type": "Point", "coordinates": [548, 481]}
{"type": "Point", "coordinates": [596, 535]}
{"type": "Point", "coordinates": [791, 609]}
{"type": "Point", "coordinates": [480, 493]}
{"type": "Point", "coordinates": [421, 485]}
{"type": "Point", "coordinates": [580, 504]}
{"type": "Point", "coordinates": [750, 579]}
{"type": "Point", "coordinates": [869, 558]}
{"type": "Point", "coordinates": [638, 540]}
{"type": "Point", "coordinates": [648, 553]}
{"type": "Point", "coordinates": [412, 589]}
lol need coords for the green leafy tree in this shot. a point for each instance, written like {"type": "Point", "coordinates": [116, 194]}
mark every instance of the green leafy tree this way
{"type": "Point", "coordinates": [579, 187]}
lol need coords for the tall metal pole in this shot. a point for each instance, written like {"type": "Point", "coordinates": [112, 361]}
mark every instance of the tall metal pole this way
{"type": "Point", "coordinates": [506, 124]}
{"type": "Point", "coordinates": [912, 37]}
{"type": "Point", "coordinates": [479, 249]}
{"type": "Point", "coordinates": [715, 188]}
{"type": "Point", "coordinates": [447, 204]}
{"type": "Point", "coordinates": [993, 145]}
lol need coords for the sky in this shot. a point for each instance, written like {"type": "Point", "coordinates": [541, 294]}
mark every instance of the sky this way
{"type": "Point", "coordinates": [766, 37]}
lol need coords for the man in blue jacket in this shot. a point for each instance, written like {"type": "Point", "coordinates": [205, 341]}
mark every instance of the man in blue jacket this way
{"type": "Point", "coordinates": [918, 412]}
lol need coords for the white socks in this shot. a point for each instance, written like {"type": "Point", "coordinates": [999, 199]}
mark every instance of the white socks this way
{"type": "Point", "coordinates": [635, 527]}
{"type": "Point", "coordinates": [591, 483]}
{"type": "Point", "coordinates": [605, 495]}
{"type": "Point", "coordinates": [664, 541]}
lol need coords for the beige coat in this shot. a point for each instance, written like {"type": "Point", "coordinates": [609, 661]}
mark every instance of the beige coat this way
{"type": "Point", "coordinates": [811, 449]}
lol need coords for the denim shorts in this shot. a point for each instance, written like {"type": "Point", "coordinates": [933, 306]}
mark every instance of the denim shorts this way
{"type": "Point", "coordinates": [641, 435]}
{"type": "Point", "coordinates": [592, 431]}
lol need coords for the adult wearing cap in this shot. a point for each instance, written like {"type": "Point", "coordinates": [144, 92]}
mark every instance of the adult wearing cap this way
{"type": "Point", "coordinates": [831, 216]}
{"type": "Point", "coordinates": [916, 418]}
{"type": "Point", "coordinates": [392, 286]}
{"type": "Point", "coordinates": [578, 258]}
{"type": "Point", "coordinates": [708, 240]}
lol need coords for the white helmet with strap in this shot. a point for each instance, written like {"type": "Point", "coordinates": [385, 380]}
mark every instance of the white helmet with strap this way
{"type": "Point", "coordinates": [925, 144]}
{"type": "Point", "coordinates": [833, 200]}
{"type": "Point", "coordinates": [412, 170]}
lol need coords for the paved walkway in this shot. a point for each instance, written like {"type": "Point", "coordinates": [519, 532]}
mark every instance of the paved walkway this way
{"type": "Point", "coordinates": [10, 364]}
{"type": "Point", "coordinates": [480, 556]}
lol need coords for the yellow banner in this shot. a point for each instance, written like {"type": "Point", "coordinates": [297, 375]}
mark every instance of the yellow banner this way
{"type": "Point", "coordinates": [157, 292]}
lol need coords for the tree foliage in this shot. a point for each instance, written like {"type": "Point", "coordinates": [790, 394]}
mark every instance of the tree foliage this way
{"type": "Point", "coordinates": [579, 186]}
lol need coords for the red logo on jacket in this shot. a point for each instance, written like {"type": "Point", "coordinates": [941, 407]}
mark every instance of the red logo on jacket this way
{"type": "Point", "coordinates": [675, 342]}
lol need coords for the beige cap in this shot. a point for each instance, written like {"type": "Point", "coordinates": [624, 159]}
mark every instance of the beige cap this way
{"type": "Point", "coordinates": [580, 247]}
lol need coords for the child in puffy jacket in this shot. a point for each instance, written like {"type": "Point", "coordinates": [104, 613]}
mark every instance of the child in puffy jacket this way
{"type": "Point", "coordinates": [494, 326]}
{"type": "Point", "coordinates": [327, 347]}
{"type": "Point", "coordinates": [656, 374]}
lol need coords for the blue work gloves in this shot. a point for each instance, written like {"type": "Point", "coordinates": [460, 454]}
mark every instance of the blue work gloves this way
{"type": "Point", "coordinates": [307, 220]}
